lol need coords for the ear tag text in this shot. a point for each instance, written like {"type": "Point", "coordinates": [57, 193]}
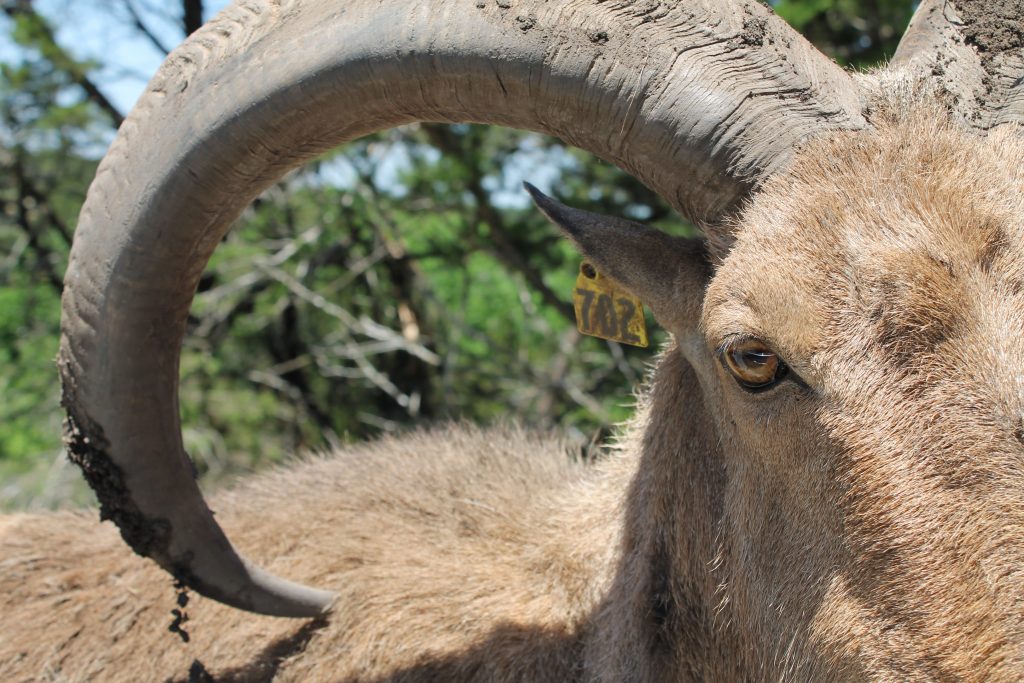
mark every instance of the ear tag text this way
{"type": "Point", "coordinates": [605, 310]}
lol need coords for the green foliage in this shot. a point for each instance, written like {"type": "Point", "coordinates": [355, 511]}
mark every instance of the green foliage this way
{"type": "Point", "coordinates": [858, 33]}
{"type": "Point", "coordinates": [28, 316]}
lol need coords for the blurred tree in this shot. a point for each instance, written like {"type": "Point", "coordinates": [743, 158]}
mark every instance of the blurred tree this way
{"type": "Point", "coordinates": [402, 278]}
{"type": "Point", "coordinates": [858, 33]}
{"type": "Point", "coordinates": [49, 143]}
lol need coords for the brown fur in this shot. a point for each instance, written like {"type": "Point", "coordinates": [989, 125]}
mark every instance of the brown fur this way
{"type": "Point", "coordinates": [866, 526]}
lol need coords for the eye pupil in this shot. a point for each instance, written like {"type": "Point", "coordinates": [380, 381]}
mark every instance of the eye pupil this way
{"type": "Point", "coordinates": [753, 364]}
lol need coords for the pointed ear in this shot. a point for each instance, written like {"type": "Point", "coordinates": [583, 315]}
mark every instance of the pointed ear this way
{"type": "Point", "coordinates": [669, 274]}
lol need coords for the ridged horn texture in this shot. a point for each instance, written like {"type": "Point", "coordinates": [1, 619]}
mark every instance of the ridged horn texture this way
{"type": "Point", "coordinates": [699, 100]}
{"type": "Point", "coordinates": [974, 50]}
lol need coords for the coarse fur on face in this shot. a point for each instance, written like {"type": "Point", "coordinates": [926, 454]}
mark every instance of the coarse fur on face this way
{"type": "Point", "coordinates": [873, 520]}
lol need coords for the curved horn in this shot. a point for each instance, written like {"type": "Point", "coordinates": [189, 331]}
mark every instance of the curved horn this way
{"type": "Point", "coordinates": [974, 49]}
{"type": "Point", "coordinates": [699, 100]}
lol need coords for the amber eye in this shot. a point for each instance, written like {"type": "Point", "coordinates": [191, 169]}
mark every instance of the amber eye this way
{"type": "Point", "coordinates": [754, 365]}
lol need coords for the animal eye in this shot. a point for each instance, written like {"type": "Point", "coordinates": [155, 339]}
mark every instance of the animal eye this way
{"type": "Point", "coordinates": [754, 365]}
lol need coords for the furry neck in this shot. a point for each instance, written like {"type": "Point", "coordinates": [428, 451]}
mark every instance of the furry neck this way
{"type": "Point", "coordinates": [663, 579]}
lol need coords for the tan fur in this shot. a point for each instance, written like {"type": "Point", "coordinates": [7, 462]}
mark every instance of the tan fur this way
{"type": "Point", "coordinates": [895, 289]}
{"type": "Point", "coordinates": [453, 552]}
{"type": "Point", "coordinates": [869, 526]}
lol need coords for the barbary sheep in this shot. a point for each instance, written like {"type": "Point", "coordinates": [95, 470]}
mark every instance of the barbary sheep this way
{"type": "Point", "coordinates": [824, 480]}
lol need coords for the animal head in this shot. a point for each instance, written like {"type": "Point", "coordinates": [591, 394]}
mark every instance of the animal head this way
{"type": "Point", "coordinates": [857, 345]}
{"type": "Point", "coordinates": [836, 435]}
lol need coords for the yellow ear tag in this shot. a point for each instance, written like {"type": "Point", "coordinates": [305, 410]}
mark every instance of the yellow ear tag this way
{"type": "Point", "coordinates": [605, 310]}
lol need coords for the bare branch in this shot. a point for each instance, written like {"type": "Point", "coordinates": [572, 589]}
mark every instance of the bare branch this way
{"type": "Point", "coordinates": [29, 189]}
{"type": "Point", "coordinates": [60, 58]}
{"type": "Point", "coordinates": [44, 255]}
{"type": "Point", "coordinates": [141, 25]}
{"type": "Point", "coordinates": [362, 325]}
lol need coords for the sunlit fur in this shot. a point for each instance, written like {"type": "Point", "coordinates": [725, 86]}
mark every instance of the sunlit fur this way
{"type": "Point", "coordinates": [458, 552]}
{"type": "Point", "coordinates": [866, 526]}
{"type": "Point", "coordinates": [877, 520]}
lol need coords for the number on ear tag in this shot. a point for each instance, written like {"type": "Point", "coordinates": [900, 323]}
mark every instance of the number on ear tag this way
{"type": "Point", "coordinates": [605, 310]}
